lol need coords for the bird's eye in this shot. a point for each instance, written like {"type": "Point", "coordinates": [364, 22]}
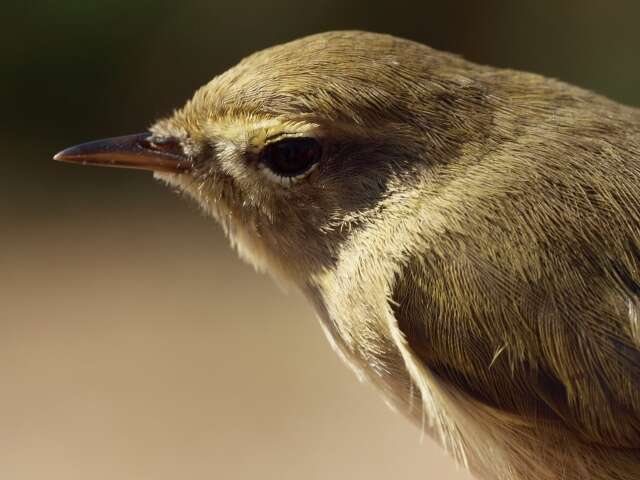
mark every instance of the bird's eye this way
{"type": "Point", "coordinates": [291, 158]}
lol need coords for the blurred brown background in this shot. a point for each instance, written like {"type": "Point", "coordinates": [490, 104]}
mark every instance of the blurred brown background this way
{"type": "Point", "coordinates": [133, 344]}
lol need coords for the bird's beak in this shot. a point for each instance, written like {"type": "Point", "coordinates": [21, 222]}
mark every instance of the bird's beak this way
{"type": "Point", "coordinates": [131, 151]}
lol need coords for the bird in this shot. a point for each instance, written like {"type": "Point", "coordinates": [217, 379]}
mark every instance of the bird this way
{"type": "Point", "coordinates": [468, 236]}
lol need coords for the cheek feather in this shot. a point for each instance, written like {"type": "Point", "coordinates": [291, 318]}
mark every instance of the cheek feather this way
{"type": "Point", "coordinates": [236, 226]}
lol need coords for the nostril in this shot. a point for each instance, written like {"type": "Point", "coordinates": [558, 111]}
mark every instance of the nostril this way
{"type": "Point", "coordinates": [169, 145]}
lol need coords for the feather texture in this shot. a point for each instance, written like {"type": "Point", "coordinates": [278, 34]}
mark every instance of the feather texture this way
{"type": "Point", "coordinates": [470, 239]}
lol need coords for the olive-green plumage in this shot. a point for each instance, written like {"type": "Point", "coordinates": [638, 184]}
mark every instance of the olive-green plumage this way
{"type": "Point", "coordinates": [470, 238]}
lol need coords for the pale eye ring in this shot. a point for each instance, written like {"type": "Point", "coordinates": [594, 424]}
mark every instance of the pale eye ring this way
{"type": "Point", "coordinates": [291, 159]}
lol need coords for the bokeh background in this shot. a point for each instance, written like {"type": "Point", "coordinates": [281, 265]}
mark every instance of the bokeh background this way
{"type": "Point", "coordinates": [133, 344]}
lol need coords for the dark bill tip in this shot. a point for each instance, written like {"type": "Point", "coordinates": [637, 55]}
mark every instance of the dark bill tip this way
{"type": "Point", "coordinates": [137, 151]}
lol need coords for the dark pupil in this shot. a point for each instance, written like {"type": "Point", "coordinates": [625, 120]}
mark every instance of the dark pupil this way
{"type": "Point", "coordinates": [292, 156]}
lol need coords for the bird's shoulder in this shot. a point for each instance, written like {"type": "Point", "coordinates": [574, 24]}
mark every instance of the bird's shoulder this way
{"type": "Point", "coordinates": [560, 342]}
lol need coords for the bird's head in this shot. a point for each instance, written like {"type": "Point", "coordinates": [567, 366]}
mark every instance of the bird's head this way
{"type": "Point", "coordinates": [301, 144]}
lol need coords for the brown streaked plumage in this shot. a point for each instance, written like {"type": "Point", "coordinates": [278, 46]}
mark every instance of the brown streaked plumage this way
{"type": "Point", "coordinates": [469, 236]}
